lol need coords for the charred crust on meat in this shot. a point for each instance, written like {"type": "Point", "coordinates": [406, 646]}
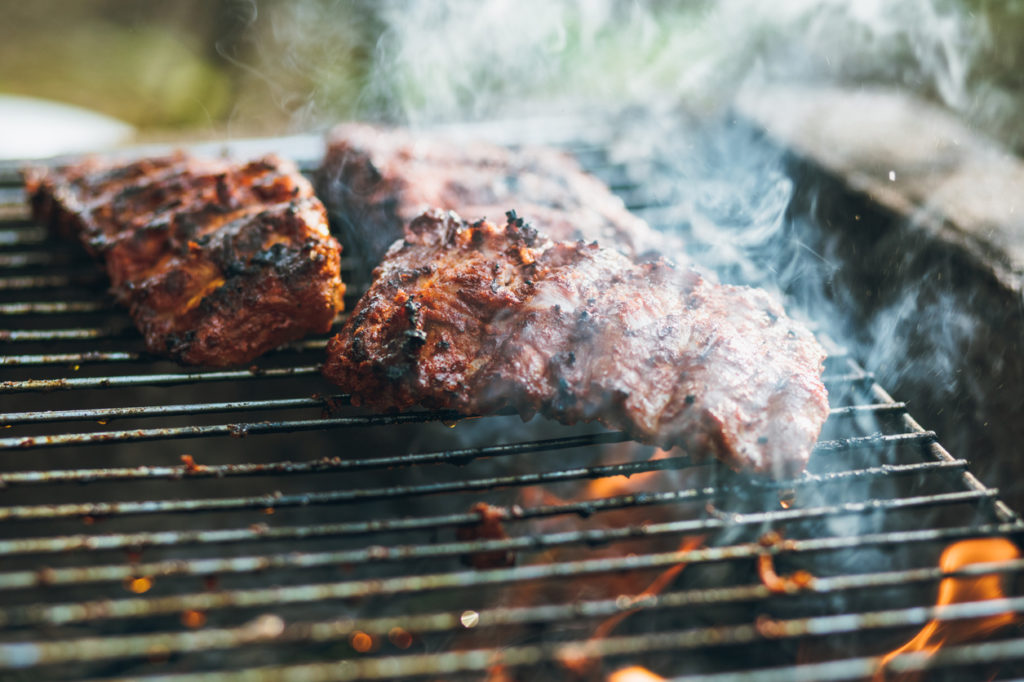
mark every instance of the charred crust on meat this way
{"type": "Point", "coordinates": [442, 345]}
{"type": "Point", "coordinates": [414, 339]}
{"type": "Point", "coordinates": [170, 229]}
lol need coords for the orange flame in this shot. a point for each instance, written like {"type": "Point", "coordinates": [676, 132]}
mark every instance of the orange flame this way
{"type": "Point", "coordinates": [615, 486]}
{"type": "Point", "coordinates": [956, 590]}
{"type": "Point", "coordinates": [776, 583]}
{"type": "Point", "coordinates": [634, 673]}
{"type": "Point", "coordinates": [579, 662]}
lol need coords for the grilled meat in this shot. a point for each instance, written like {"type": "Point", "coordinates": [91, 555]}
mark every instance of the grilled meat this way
{"type": "Point", "coordinates": [375, 180]}
{"type": "Point", "coordinates": [217, 261]}
{"type": "Point", "coordinates": [477, 318]}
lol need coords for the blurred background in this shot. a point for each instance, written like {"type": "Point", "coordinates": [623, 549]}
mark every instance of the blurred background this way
{"type": "Point", "coordinates": [228, 68]}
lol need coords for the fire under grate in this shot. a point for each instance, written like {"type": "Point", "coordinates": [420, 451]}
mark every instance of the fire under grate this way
{"type": "Point", "coordinates": [250, 524]}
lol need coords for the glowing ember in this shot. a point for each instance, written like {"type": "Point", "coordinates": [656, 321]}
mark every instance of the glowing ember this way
{"type": "Point", "coordinates": [634, 673]}
{"type": "Point", "coordinates": [787, 498]}
{"type": "Point", "coordinates": [400, 638]}
{"type": "Point", "coordinates": [140, 585]}
{"type": "Point", "coordinates": [956, 590]}
{"type": "Point", "coordinates": [193, 619]}
{"type": "Point", "coordinates": [655, 588]}
{"type": "Point", "coordinates": [578, 661]}
{"type": "Point", "coordinates": [361, 642]}
{"type": "Point", "coordinates": [776, 583]}
{"type": "Point", "coordinates": [190, 464]}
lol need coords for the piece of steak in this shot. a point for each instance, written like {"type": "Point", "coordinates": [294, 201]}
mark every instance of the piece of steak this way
{"type": "Point", "coordinates": [375, 180]}
{"type": "Point", "coordinates": [217, 261]}
{"type": "Point", "coordinates": [477, 318]}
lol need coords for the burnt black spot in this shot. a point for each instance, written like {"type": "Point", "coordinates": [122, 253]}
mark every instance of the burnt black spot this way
{"type": "Point", "coordinates": [443, 345]}
{"type": "Point", "coordinates": [395, 372]}
{"type": "Point", "coordinates": [415, 339]}
{"type": "Point", "coordinates": [275, 255]}
{"type": "Point", "coordinates": [690, 399]}
{"type": "Point", "coordinates": [178, 344]}
{"type": "Point", "coordinates": [565, 398]}
{"type": "Point", "coordinates": [358, 351]}
{"type": "Point", "coordinates": [412, 310]}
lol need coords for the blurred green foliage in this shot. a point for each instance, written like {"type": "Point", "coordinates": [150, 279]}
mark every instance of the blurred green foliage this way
{"type": "Point", "coordinates": [255, 66]}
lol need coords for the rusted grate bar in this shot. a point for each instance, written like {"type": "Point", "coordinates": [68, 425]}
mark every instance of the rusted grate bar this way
{"type": "Point", "coordinates": [255, 563]}
{"type": "Point", "coordinates": [26, 654]}
{"type": "Point", "coordinates": [631, 645]}
{"type": "Point", "coordinates": [170, 379]}
{"type": "Point", "coordinates": [61, 614]}
{"type": "Point", "coordinates": [40, 545]}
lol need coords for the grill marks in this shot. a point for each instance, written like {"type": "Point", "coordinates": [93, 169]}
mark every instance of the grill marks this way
{"type": "Point", "coordinates": [218, 262]}
{"type": "Point", "coordinates": [477, 318]}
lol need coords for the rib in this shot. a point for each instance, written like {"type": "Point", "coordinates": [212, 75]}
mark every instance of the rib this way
{"type": "Point", "coordinates": [375, 180]}
{"type": "Point", "coordinates": [217, 261]}
{"type": "Point", "coordinates": [477, 318]}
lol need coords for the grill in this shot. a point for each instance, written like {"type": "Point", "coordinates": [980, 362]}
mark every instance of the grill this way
{"type": "Point", "coordinates": [250, 524]}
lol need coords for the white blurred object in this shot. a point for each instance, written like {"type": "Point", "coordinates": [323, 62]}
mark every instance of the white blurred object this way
{"type": "Point", "coordinates": [35, 128]}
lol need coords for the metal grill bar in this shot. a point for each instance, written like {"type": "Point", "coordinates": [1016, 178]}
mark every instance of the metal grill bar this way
{"type": "Point", "coordinates": [260, 532]}
{"type": "Point", "coordinates": [107, 509]}
{"type": "Point", "coordinates": [248, 564]}
{"type": "Point", "coordinates": [49, 281]}
{"type": "Point", "coordinates": [147, 411]}
{"type": "Point", "coordinates": [79, 383]}
{"type": "Point", "coordinates": [85, 334]}
{"type": "Point", "coordinates": [150, 411]}
{"type": "Point", "coordinates": [23, 235]}
{"type": "Point", "coordinates": [28, 252]}
{"type": "Point", "coordinates": [62, 614]}
{"type": "Point", "coordinates": [21, 655]}
{"type": "Point", "coordinates": [22, 259]}
{"type": "Point", "coordinates": [237, 430]}
{"type": "Point", "coordinates": [685, 640]}
{"type": "Point", "coordinates": [93, 357]}
{"type": "Point", "coordinates": [457, 457]}
{"type": "Point", "coordinates": [289, 426]}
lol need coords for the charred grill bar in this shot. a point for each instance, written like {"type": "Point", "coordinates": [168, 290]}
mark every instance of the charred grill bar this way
{"type": "Point", "coordinates": [251, 524]}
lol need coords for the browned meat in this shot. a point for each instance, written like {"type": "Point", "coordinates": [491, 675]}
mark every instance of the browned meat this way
{"type": "Point", "coordinates": [375, 180]}
{"type": "Point", "coordinates": [477, 318]}
{"type": "Point", "coordinates": [218, 262]}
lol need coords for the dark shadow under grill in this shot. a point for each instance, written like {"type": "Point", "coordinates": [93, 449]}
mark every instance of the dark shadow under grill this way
{"type": "Point", "coordinates": [167, 523]}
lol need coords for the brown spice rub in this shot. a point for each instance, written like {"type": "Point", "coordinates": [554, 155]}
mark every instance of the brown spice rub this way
{"type": "Point", "coordinates": [217, 261]}
{"type": "Point", "coordinates": [477, 318]}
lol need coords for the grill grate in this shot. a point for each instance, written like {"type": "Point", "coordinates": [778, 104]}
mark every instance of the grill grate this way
{"type": "Point", "coordinates": [298, 537]}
